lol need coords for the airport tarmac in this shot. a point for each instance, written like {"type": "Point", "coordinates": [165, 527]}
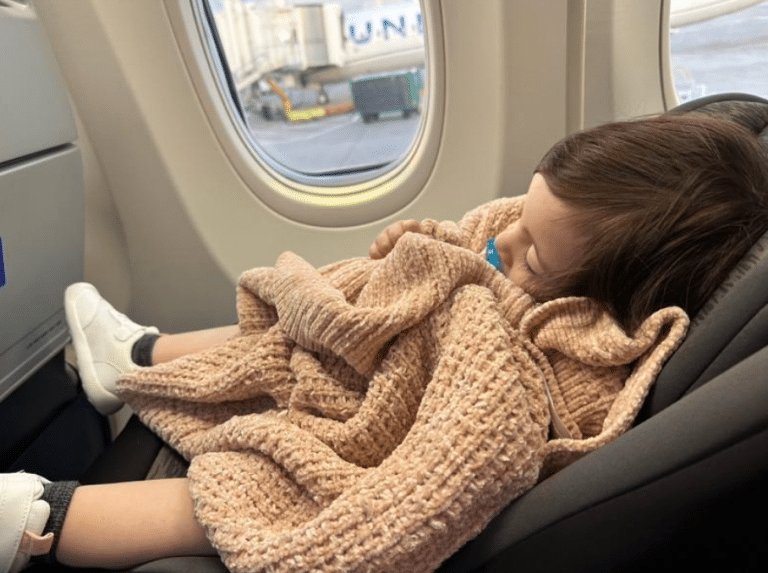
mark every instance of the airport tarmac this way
{"type": "Point", "coordinates": [337, 144]}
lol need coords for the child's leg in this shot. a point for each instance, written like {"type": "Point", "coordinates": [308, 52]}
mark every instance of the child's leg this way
{"type": "Point", "coordinates": [107, 344]}
{"type": "Point", "coordinates": [124, 524]}
{"type": "Point", "coordinates": [171, 346]}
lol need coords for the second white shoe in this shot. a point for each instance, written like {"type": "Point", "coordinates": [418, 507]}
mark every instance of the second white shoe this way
{"type": "Point", "coordinates": [103, 340]}
{"type": "Point", "coordinates": [23, 515]}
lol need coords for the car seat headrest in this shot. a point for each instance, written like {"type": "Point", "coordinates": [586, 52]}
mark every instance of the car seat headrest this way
{"type": "Point", "coordinates": [746, 110]}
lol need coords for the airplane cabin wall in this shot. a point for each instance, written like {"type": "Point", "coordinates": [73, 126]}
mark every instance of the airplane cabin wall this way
{"type": "Point", "coordinates": [126, 81]}
{"type": "Point", "coordinates": [106, 250]}
{"type": "Point", "coordinates": [626, 47]}
{"type": "Point", "coordinates": [173, 201]}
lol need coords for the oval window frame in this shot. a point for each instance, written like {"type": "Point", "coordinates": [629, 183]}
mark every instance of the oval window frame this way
{"type": "Point", "coordinates": [343, 202]}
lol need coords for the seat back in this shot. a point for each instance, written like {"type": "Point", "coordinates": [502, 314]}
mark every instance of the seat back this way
{"type": "Point", "coordinates": [46, 424]}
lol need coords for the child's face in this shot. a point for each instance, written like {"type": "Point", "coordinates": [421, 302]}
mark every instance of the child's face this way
{"type": "Point", "coordinates": [543, 240]}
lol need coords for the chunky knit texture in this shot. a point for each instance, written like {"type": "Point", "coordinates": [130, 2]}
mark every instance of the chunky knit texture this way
{"type": "Point", "coordinates": [375, 415]}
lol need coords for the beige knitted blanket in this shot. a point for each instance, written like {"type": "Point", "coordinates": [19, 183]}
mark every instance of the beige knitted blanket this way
{"type": "Point", "coordinates": [375, 415]}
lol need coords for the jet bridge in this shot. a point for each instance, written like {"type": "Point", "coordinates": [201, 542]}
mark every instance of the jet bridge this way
{"type": "Point", "coordinates": [317, 44]}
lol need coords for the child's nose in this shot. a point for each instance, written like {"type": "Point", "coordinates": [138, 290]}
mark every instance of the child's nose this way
{"type": "Point", "coordinates": [505, 244]}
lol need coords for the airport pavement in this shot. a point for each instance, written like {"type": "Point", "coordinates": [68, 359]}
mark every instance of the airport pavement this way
{"type": "Point", "coordinates": [341, 143]}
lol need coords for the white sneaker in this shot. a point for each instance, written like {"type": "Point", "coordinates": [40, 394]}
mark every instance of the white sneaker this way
{"type": "Point", "coordinates": [103, 339]}
{"type": "Point", "coordinates": [23, 515]}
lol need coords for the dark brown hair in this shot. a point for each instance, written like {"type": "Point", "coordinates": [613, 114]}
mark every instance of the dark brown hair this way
{"type": "Point", "coordinates": [669, 206]}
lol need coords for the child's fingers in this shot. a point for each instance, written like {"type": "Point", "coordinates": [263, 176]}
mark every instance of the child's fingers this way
{"type": "Point", "coordinates": [387, 239]}
{"type": "Point", "coordinates": [377, 250]}
{"type": "Point", "coordinates": [385, 242]}
{"type": "Point", "coordinates": [400, 228]}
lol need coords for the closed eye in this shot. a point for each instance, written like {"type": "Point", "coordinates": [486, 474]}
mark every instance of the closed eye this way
{"type": "Point", "coordinates": [528, 265]}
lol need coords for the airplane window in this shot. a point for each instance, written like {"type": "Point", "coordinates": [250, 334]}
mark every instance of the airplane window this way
{"type": "Point", "coordinates": [330, 92]}
{"type": "Point", "coordinates": [719, 46]}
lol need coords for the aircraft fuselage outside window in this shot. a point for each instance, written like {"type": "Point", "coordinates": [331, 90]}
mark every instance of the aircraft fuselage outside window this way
{"type": "Point", "coordinates": [719, 46]}
{"type": "Point", "coordinates": [330, 92]}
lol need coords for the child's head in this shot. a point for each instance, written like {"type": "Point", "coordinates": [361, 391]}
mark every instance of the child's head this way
{"type": "Point", "coordinates": [657, 212]}
{"type": "Point", "coordinates": [545, 241]}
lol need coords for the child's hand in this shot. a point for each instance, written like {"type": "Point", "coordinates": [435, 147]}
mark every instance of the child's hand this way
{"type": "Point", "coordinates": [386, 240]}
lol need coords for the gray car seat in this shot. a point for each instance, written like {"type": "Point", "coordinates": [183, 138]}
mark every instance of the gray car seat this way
{"type": "Point", "coordinates": [682, 488]}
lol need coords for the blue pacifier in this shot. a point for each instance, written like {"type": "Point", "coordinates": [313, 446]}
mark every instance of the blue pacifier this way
{"type": "Point", "coordinates": [492, 255]}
